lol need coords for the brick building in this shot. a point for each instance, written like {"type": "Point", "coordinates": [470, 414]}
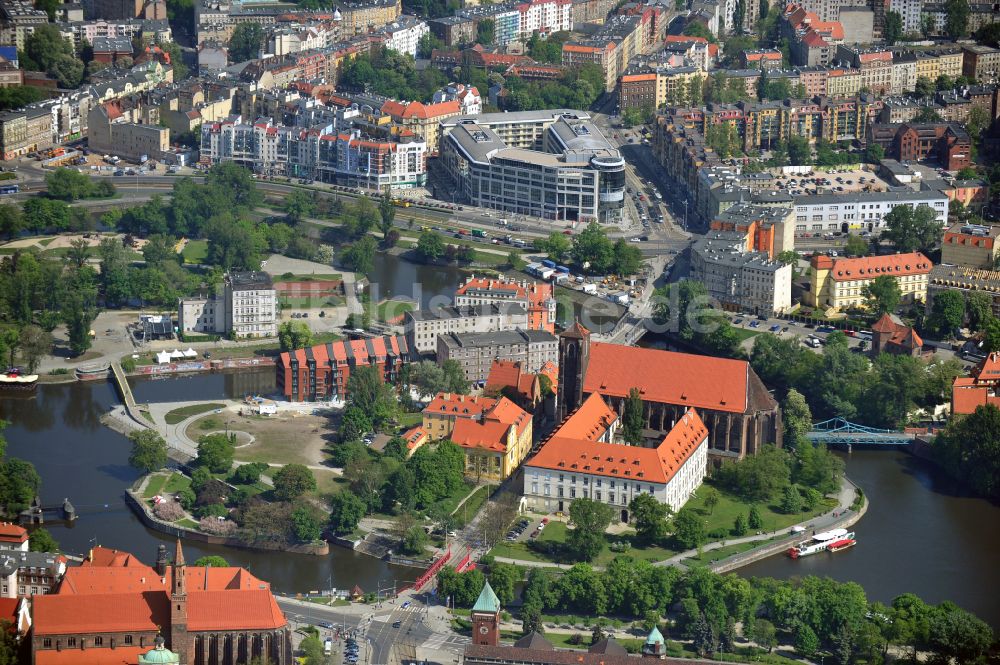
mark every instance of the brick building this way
{"type": "Point", "coordinates": [536, 297]}
{"type": "Point", "coordinates": [114, 609]}
{"type": "Point", "coordinates": [977, 389]}
{"type": "Point", "coordinates": [948, 143]}
{"type": "Point", "coordinates": [321, 372]}
{"type": "Point", "coordinates": [734, 404]}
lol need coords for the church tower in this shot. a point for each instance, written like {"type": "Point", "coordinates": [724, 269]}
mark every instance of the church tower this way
{"type": "Point", "coordinates": [574, 354]}
{"type": "Point", "coordinates": [486, 618]}
{"type": "Point", "coordinates": [180, 642]}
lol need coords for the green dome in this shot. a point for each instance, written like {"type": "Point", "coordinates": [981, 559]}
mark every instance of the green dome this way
{"type": "Point", "coordinates": [159, 655]}
{"type": "Point", "coordinates": [655, 636]}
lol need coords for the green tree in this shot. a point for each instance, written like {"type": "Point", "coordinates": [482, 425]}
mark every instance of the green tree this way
{"type": "Point", "coordinates": [368, 392]}
{"type": "Point", "coordinates": [215, 452]}
{"type": "Point", "coordinates": [307, 522]}
{"type": "Point", "coordinates": [211, 561]}
{"type": "Point", "coordinates": [856, 246]}
{"type": "Point", "coordinates": [710, 498]}
{"type": "Point", "coordinates": [978, 309]}
{"type": "Point", "coordinates": [42, 541]}
{"type": "Point", "coordinates": [292, 481]}
{"type": "Point", "coordinates": [387, 213]}
{"type": "Point", "coordinates": [650, 517]}
{"type": "Point", "coordinates": [67, 184]}
{"type": "Point", "coordinates": [504, 577]}
{"type": "Point", "coordinates": [796, 416]}
{"type": "Point", "coordinates": [969, 449]}
{"type": "Point", "coordinates": [874, 153]}
{"type": "Point", "coordinates": [294, 335]}
{"type": "Point", "coordinates": [590, 520]}
{"type": "Point", "coordinates": [799, 152]}
{"type": "Point", "coordinates": [740, 525]}
{"type": "Point", "coordinates": [11, 220]}
{"type": "Point", "coordinates": [689, 528]}
{"type": "Point", "coordinates": [485, 31]}
{"type": "Point", "coordinates": [246, 42]}
{"type": "Point", "coordinates": [791, 500]}
{"type": "Point", "coordinates": [346, 510]}
{"type": "Point", "coordinates": [632, 419]}
{"type": "Point", "coordinates": [893, 28]}
{"type": "Point", "coordinates": [360, 255]}
{"type": "Point", "coordinates": [627, 258]}
{"type": "Point", "coordinates": [956, 20]}
{"type": "Point", "coordinates": [956, 635]}
{"type": "Point", "coordinates": [430, 246]}
{"type": "Point", "coordinates": [454, 377]}
{"type": "Point", "coordinates": [882, 294]}
{"type": "Point", "coordinates": [764, 634]}
{"type": "Point", "coordinates": [754, 520]}
{"type": "Point", "coordinates": [593, 250]}
{"type": "Point", "coordinates": [149, 450]}
{"type": "Point", "coordinates": [947, 314]}
{"type": "Point", "coordinates": [557, 245]}
{"type": "Point", "coordinates": [806, 642]}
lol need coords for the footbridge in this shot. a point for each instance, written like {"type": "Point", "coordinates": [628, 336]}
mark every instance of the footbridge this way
{"type": "Point", "coordinates": [840, 431]}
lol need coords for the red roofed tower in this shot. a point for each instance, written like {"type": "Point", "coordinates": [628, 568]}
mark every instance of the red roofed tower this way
{"type": "Point", "coordinates": [180, 641]}
{"type": "Point", "coordinates": [574, 354]}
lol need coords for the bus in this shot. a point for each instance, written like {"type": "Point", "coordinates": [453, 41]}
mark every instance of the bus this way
{"type": "Point", "coordinates": [9, 189]}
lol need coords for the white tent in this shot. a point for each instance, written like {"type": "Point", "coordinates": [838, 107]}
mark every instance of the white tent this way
{"type": "Point", "coordinates": [163, 357]}
{"type": "Point", "coordinates": [176, 353]}
{"type": "Point", "coordinates": [190, 353]}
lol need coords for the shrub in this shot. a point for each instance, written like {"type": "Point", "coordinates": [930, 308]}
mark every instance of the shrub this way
{"type": "Point", "coordinates": [211, 510]}
{"type": "Point", "coordinates": [128, 364]}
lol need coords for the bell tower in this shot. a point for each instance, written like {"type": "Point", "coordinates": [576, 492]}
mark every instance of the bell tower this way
{"type": "Point", "coordinates": [486, 618]}
{"type": "Point", "coordinates": [574, 354]}
{"type": "Point", "coordinates": [180, 641]}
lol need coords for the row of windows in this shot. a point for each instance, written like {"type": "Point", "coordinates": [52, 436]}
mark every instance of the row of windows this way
{"type": "Point", "coordinates": [71, 642]}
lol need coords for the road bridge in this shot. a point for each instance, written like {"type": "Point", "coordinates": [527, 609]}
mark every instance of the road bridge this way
{"type": "Point", "coordinates": [840, 431]}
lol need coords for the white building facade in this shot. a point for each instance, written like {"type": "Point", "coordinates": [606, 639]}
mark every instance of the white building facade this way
{"type": "Point", "coordinates": [862, 211]}
{"type": "Point", "coordinates": [739, 279]}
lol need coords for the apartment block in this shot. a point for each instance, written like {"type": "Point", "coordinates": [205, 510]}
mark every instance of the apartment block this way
{"type": "Point", "coordinates": [475, 352]}
{"type": "Point", "coordinates": [422, 327]}
{"type": "Point", "coordinates": [839, 283]}
{"type": "Point", "coordinates": [740, 279]}
{"type": "Point", "coordinates": [971, 245]}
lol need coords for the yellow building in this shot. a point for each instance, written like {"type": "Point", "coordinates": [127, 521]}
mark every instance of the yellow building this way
{"type": "Point", "coordinates": [971, 245]}
{"type": "Point", "coordinates": [495, 434]}
{"type": "Point", "coordinates": [837, 284]}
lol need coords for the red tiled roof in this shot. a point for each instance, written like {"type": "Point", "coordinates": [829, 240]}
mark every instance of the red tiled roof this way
{"type": "Point", "coordinates": [12, 533]}
{"type": "Point", "coordinates": [229, 610]}
{"type": "Point", "coordinates": [485, 435]}
{"type": "Point", "coordinates": [590, 420]}
{"type": "Point", "coordinates": [465, 406]}
{"type": "Point", "coordinates": [719, 384]}
{"type": "Point", "coordinates": [656, 465]}
{"type": "Point", "coordinates": [870, 267]}
{"type": "Point", "coordinates": [60, 614]}
{"type": "Point", "coordinates": [103, 556]}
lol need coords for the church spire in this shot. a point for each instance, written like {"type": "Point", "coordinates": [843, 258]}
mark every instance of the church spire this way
{"type": "Point", "coordinates": [178, 554]}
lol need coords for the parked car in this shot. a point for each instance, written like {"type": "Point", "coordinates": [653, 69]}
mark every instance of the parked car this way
{"type": "Point", "coordinates": [775, 328]}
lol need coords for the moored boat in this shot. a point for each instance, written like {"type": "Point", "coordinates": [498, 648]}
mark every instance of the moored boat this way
{"type": "Point", "coordinates": [15, 379]}
{"type": "Point", "coordinates": [842, 544]}
{"type": "Point", "coordinates": [820, 542]}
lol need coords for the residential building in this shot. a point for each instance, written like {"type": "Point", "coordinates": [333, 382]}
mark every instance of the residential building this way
{"type": "Point", "coordinates": [621, 38]}
{"type": "Point", "coordinates": [26, 131]}
{"type": "Point", "coordinates": [24, 573]}
{"type": "Point", "coordinates": [114, 608]}
{"type": "Point", "coordinates": [536, 297]}
{"type": "Point", "coordinates": [829, 10]}
{"type": "Point", "coordinates": [971, 246]}
{"type": "Point", "coordinates": [761, 59]}
{"type": "Point", "coordinates": [246, 308]}
{"type": "Point", "coordinates": [731, 400]}
{"type": "Point", "coordinates": [581, 460]}
{"type": "Point", "coordinates": [424, 120]}
{"type": "Point", "coordinates": [981, 63]}
{"type": "Point", "coordinates": [13, 538]}
{"type": "Point", "coordinates": [652, 88]}
{"type": "Point", "coordinates": [18, 20]}
{"type": "Point", "coordinates": [910, 12]}
{"type": "Point", "coordinates": [495, 434]}
{"type": "Point", "coordinates": [475, 352]}
{"type": "Point", "coordinates": [403, 34]}
{"type": "Point", "coordinates": [422, 327]}
{"type": "Point", "coordinates": [251, 305]}
{"type": "Point", "coordinates": [321, 372]}
{"type": "Point", "coordinates": [129, 9]}
{"type": "Point", "coordinates": [470, 102]}
{"type": "Point", "coordinates": [453, 30]}
{"type": "Point", "coordinates": [109, 49]}
{"type": "Point", "coordinates": [862, 211]}
{"type": "Point", "coordinates": [117, 130]}
{"type": "Point", "coordinates": [516, 22]}
{"type": "Point", "coordinates": [740, 279]}
{"type": "Point", "coordinates": [977, 389]}
{"type": "Point", "coordinates": [577, 175]}
{"type": "Point", "coordinates": [767, 229]}
{"type": "Point", "coordinates": [838, 283]}
{"type": "Point", "coordinates": [875, 66]}
{"type": "Point", "coordinates": [348, 157]}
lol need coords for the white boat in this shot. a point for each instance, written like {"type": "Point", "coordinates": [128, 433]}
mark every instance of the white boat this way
{"type": "Point", "coordinates": [821, 542]}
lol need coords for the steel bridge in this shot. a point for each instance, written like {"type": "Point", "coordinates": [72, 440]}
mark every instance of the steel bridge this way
{"type": "Point", "coordinates": [843, 432]}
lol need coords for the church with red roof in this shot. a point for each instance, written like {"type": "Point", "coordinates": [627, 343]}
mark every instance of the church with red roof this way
{"type": "Point", "coordinates": [114, 609]}
{"type": "Point", "coordinates": [731, 400]}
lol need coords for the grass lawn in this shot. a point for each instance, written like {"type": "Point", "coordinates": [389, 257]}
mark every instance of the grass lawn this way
{"type": "Point", "coordinates": [745, 333]}
{"type": "Point", "coordinates": [195, 251]}
{"type": "Point", "coordinates": [327, 482]}
{"type": "Point", "coordinates": [730, 505]}
{"type": "Point", "coordinates": [287, 277]}
{"type": "Point", "coordinates": [187, 523]}
{"type": "Point", "coordinates": [556, 532]}
{"type": "Point", "coordinates": [408, 420]}
{"type": "Point", "coordinates": [185, 412]}
{"type": "Point", "coordinates": [176, 483]}
{"type": "Point", "coordinates": [392, 309]}
{"type": "Point", "coordinates": [307, 302]}
{"type": "Point", "coordinates": [209, 424]}
{"type": "Point", "coordinates": [154, 485]}
{"type": "Point", "coordinates": [723, 552]}
{"type": "Point", "coordinates": [471, 506]}
{"type": "Point", "coordinates": [449, 503]}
